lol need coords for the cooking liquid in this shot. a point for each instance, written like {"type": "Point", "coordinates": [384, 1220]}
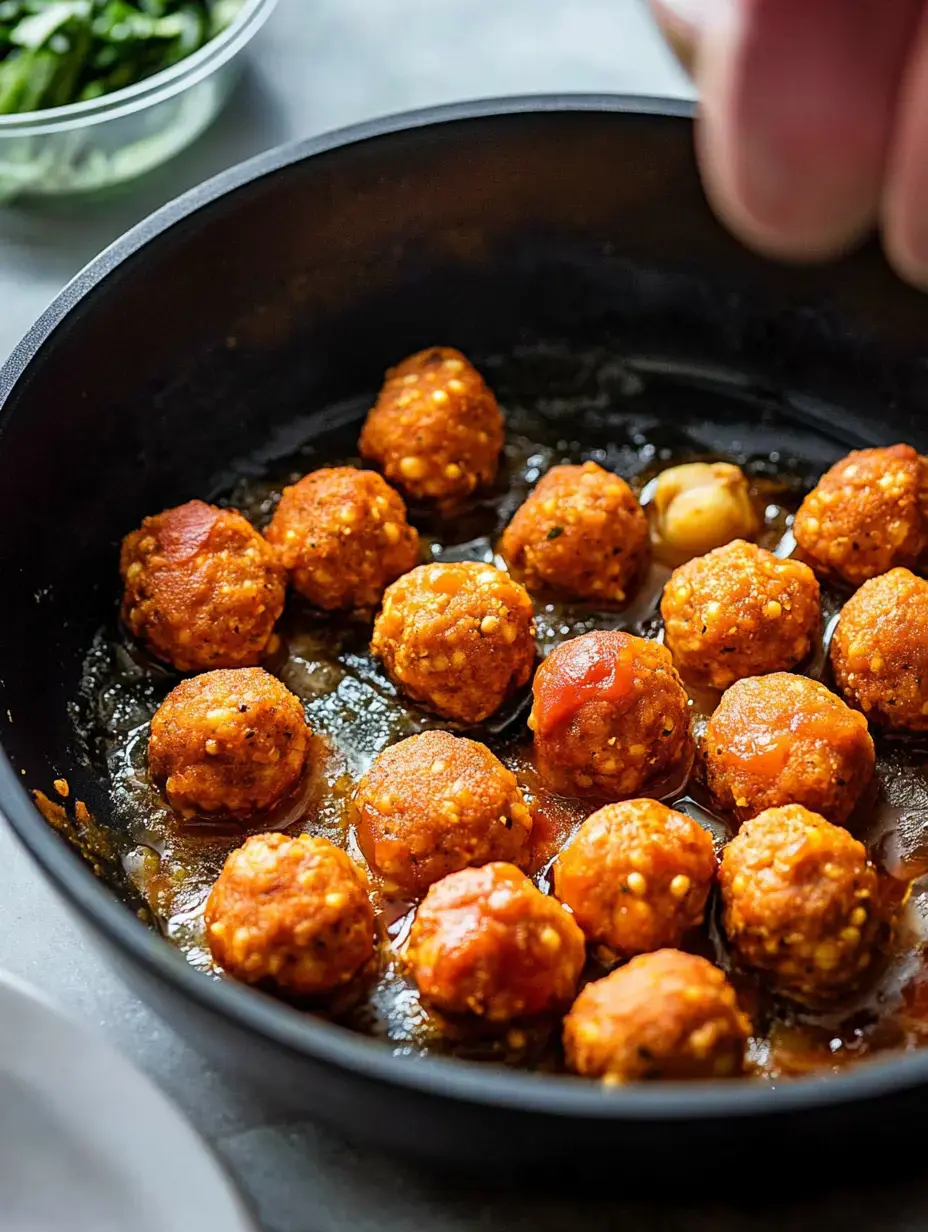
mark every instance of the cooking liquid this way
{"type": "Point", "coordinates": [561, 407]}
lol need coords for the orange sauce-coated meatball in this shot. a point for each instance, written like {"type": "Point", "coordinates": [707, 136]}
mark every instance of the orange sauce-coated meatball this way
{"type": "Point", "coordinates": [867, 514]}
{"type": "Point", "coordinates": [739, 611]}
{"type": "Point", "coordinates": [664, 1015]}
{"type": "Point", "coordinates": [486, 942]}
{"type": "Point", "coordinates": [801, 903]}
{"type": "Point", "coordinates": [879, 651]}
{"type": "Point", "coordinates": [459, 638]}
{"type": "Point", "coordinates": [230, 742]}
{"type": "Point", "coordinates": [436, 803]}
{"type": "Point", "coordinates": [202, 588]}
{"type": "Point", "coordinates": [435, 429]}
{"type": "Point", "coordinates": [783, 739]}
{"type": "Point", "coordinates": [610, 716]}
{"type": "Point", "coordinates": [636, 876]}
{"type": "Point", "coordinates": [291, 911]}
{"type": "Point", "coordinates": [343, 536]}
{"type": "Point", "coordinates": [581, 532]}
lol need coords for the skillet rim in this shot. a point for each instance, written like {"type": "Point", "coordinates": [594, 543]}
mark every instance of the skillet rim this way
{"type": "Point", "coordinates": [277, 1024]}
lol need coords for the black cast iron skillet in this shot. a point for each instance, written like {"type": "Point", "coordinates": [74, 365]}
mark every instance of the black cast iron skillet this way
{"type": "Point", "coordinates": [483, 226]}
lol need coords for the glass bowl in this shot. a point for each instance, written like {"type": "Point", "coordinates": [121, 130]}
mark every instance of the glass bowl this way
{"type": "Point", "coordinates": [89, 146]}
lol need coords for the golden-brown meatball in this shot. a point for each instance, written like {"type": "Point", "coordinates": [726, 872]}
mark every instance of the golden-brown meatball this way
{"type": "Point", "coordinates": [610, 716]}
{"type": "Point", "coordinates": [739, 611]}
{"type": "Point", "coordinates": [202, 588]}
{"type": "Point", "coordinates": [291, 911]}
{"type": "Point", "coordinates": [436, 803]}
{"type": "Point", "coordinates": [636, 876]}
{"type": "Point", "coordinates": [343, 536]}
{"type": "Point", "coordinates": [866, 514]}
{"type": "Point", "coordinates": [783, 739]}
{"type": "Point", "coordinates": [581, 532]}
{"type": "Point", "coordinates": [879, 651]}
{"type": "Point", "coordinates": [665, 1015]}
{"type": "Point", "coordinates": [435, 428]}
{"type": "Point", "coordinates": [231, 742]}
{"type": "Point", "coordinates": [801, 903]}
{"type": "Point", "coordinates": [486, 942]}
{"type": "Point", "coordinates": [700, 506]}
{"type": "Point", "coordinates": [459, 638]}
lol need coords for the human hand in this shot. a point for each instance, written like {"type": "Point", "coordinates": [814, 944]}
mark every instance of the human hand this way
{"type": "Point", "coordinates": [813, 122]}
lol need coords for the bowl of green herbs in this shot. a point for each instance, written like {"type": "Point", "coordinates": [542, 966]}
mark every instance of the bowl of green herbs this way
{"type": "Point", "coordinates": [96, 92]}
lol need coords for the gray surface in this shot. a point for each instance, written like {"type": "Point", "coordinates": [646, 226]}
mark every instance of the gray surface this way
{"type": "Point", "coordinates": [321, 64]}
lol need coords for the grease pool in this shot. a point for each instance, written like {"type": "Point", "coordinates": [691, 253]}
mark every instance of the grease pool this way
{"type": "Point", "coordinates": [634, 416]}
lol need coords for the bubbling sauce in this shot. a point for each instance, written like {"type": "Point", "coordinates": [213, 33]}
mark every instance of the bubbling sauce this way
{"type": "Point", "coordinates": [635, 418]}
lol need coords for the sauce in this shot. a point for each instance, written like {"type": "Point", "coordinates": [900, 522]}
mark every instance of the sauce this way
{"type": "Point", "coordinates": [187, 532]}
{"type": "Point", "coordinates": [601, 669]}
{"type": "Point", "coordinates": [562, 406]}
{"type": "Point", "coordinates": [768, 755]}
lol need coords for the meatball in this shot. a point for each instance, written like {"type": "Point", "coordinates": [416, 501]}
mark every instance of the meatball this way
{"type": "Point", "coordinates": [291, 911]}
{"type": "Point", "coordinates": [343, 536]}
{"type": "Point", "coordinates": [783, 739]}
{"type": "Point", "coordinates": [664, 1015]}
{"type": "Point", "coordinates": [459, 638]}
{"type": "Point", "coordinates": [636, 876]}
{"type": "Point", "coordinates": [866, 514]}
{"type": "Point", "coordinates": [610, 716]}
{"type": "Point", "coordinates": [436, 803]}
{"type": "Point", "coordinates": [581, 532]}
{"type": "Point", "coordinates": [700, 506]}
{"type": "Point", "coordinates": [202, 588]}
{"type": "Point", "coordinates": [801, 903]}
{"type": "Point", "coordinates": [739, 611]}
{"type": "Point", "coordinates": [231, 742]}
{"type": "Point", "coordinates": [879, 651]}
{"type": "Point", "coordinates": [435, 429]}
{"type": "Point", "coordinates": [486, 942]}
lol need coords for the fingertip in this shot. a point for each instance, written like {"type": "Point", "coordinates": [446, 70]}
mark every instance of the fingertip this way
{"type": "Point", "coordinates": [680, 22]}
{"type": "Point", "coordinates": [910, 266]}
{"type": "Point", "coordinates": [740, 201]}
{"type": "Point", "coordinates": [904, 213]}
{"type": "Point", "coordinates": [796, 105]}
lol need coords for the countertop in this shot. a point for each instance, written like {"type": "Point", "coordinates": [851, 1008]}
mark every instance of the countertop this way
{"type": "Point", "coordinates": [318, 65]}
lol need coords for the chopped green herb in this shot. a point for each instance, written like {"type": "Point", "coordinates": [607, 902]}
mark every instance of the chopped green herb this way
{"type": "Point", "coordinates": [56, 52]}
{"type": "Point", "coordinates": [555, 532]}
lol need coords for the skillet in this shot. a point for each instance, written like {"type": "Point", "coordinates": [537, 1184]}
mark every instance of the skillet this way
{"type": "Point", "coordinates": [213, 338]}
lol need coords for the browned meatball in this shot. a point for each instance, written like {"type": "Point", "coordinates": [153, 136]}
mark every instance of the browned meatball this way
{"type": "Point", "coordinates": [636, 876]}
{"type": "Point", "coordinates": [800, 902]}
{"type": "Point", "coordinates": [866, 514]}
{"type": "Point", "coordinates": [739, 611]}
{"type": "Point", "coordinates": [202, 588]}
{"type": "Point", "coordinates": [486, 942]}
{"type": "Point", "coordinates": [229, 742]}
{"type": "Point", "coordinates": [291, 911]}
{"type": "Point", "coordinates": [783, 739]}
{"type": "Point", "coordinates": [459, 638]}
{"type": "Point", "coordinates": [581, 532]}
{"type": "Point", "coordinates": [343, 535]}
{"type": "Point", "coordinates": [664, 1015]}
{"type": "Point", "coordinates": [610, 716]}
{"type": "Point", "coordinates": [434, 804]}
{"type": "Point", "coordinates": [880, 651]}
{"type": "Point", "coordinates": [435, 429]}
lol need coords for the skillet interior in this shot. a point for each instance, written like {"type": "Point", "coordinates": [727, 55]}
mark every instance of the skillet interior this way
{"type": "Point", "coordinates": [583, 222]}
